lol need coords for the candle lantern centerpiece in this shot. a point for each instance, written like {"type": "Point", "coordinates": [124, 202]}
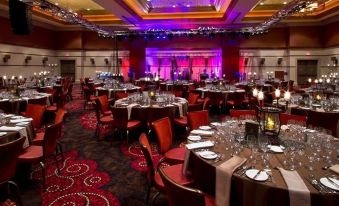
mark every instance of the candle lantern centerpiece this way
{"type": "Point", "coordinates": [151, 94]}
{"type": "Point", "coordinates": [269, 120]}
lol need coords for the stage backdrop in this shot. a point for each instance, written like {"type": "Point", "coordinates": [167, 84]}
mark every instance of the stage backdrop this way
{"type": "Point", "coordinates": [187, 63]}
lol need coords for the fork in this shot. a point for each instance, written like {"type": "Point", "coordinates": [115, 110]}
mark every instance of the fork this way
{"type": "Point", "coordinates": [315, 181]}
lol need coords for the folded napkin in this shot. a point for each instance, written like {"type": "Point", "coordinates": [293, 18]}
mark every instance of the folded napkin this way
{"type": "Point", "coordinates": [223, 178]}
{"type": "Point", "coordinates": [202, 132]}
{"type": "Point", "coordinates": [189, 147]}
{"type": "Point", "coordinates": [181, 112]}
{"type": "Point", "coordinates": [335, 168]}
{"type": "Point", "coordinates": [129, 109]}
{"type": "Point", "coordinates": [9, 115]}
{"type": "Point", "coordinates": [199, 145]}
{"type": "Point", "coordinates": [298, 191]}
{"type": "Point", "coordinates": [20, 120]}
{"type": "Point", "coordinates": [5, 128]}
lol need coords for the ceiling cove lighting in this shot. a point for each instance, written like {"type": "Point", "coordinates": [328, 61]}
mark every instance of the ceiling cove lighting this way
{"type": "Point", "coordinates": [74, 18]}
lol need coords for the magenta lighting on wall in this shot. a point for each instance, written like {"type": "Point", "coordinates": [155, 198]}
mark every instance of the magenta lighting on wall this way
{"type": "Point", "coordinates": [6, 58]}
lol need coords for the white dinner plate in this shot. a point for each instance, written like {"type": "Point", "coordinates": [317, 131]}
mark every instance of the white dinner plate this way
{"type": "Point", "coordinates": [210, 155]}
{"type": "Point", "coordinates": [251, 173]}
{"type": "Point", "coordinates": [17, 117]}
{"type": "Point", "coordinates": [316, 105]}
{"type": "Point", "coordinates": [276, 148]}
{"type": "Point", "coordinates": [205, 127]}
{"type": "Point", "coordinates": [216, 123]}
{"type": "Point", "coordinates": [2, 133]}
{"type": "Point", "coordinates": [194, 138]}
{"type": "Point", "coordinates": [329, 184]}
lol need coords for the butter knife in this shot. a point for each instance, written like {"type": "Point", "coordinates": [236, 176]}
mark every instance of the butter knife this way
{"type": "Point", "coordinates": [332, 182]}
{"type": "Point", "coordinates": [256, 175]}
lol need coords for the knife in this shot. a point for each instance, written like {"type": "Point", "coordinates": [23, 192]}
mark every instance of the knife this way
{"type": "Point", "coordinates": [331, 181]}
{"type": "Point", "coordinates": [256, 175]}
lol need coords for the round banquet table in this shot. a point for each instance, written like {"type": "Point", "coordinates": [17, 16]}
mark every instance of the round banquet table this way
{"type": "Point", "coordinates": [111, 91]}
{"type": "Point", "coordinates": [245, 191]}
{"type": "Point", "coordinates": [18, 104]}
{"type": "Point", "coordinates": [155, 110]}
{"type": "Point", "coordinates": [204, 91]}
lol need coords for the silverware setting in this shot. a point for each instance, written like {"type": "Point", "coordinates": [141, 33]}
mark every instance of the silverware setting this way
{"type": "Point", "coordinates": [319, 186]}
{"type": "Point", "coordinates": [257, 174]}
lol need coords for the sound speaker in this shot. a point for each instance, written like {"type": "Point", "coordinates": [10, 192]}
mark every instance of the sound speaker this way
{"type": "Point", "coordinates": [20, 15]}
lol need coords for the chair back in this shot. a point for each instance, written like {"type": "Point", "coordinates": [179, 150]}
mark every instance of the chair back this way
{"type": "Point", "coordinates": [215, 98]}
{"type": "Point", "coordinates": [206, 104]}
{"type": "Point", "coordinates": [154, 113]}
{"type": "Point", "coordinates": [163, 129]}
{"type": "Point", "coordinates": [103, 103]}
{"type": "Point", "coordinates": [52, 133]}
{"type": "Point", "coordinates": [197, 119]}
{"type": "Point", "coordinates": [180, 195]}
{"type": "Point", "coordinates": [147, 151]}
{"type": "Point", "coordinates": [242, 113]}
{"type": "Point", "coordinates": [286, 118]}
{"type": "Point", "coordinates": [120, 95]}
{"type": "Point", "coordinates": [9, 153]}
{"type": "Point", "coordinates": [102, 92]}
{"type": "Point", "coordinates": [120, 116]}
{"type": "Point", "coordinates": [327, 120]}
{"type": "Point", "coordinates": [192, 98]}
{"type": "Point", "coordinates": [36, 112]}
{"type": "Point", "coordinates": [6, 106]}
{"type": "Point", "coordinates": [59, 116]}
{"type": "Point", "coordinates": [236, 97]}
{"type": "Point", "coordinates": [40, 101]}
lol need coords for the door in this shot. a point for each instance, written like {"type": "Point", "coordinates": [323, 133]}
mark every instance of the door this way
{"type": "Point", "coordinates": [306, 69]}
{"type": "Point", "coordinates": [67, 68]}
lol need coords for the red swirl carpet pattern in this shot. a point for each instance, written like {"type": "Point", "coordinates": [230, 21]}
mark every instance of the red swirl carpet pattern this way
{"type": "Point", "coordinates": [78, 184]}
{"type": "Point", "coordinates": [134, 151]}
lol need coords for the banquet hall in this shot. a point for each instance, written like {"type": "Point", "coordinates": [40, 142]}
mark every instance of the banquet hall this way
{"type": "Point", "coordinates": [169, 102]}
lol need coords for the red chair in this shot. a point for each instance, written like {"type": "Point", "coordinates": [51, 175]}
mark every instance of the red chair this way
{"type": "Point", "coordinates": [235, 99]}
{"type": "Point", "coordinates": [180, 195]}
{"type": "Point", "coordinates": [206, 104]}
{"type": "Point", "coordinates": [101, 120]}
{"type": "Point", "coordinates": [153, 177]}
{"type": "Point", "coordinates": [242, 113]}
{"type": "Point", "coordinates": [326, 120]}
{"type": "Point", "coordinates": [39, 154]}
{"type": "Point", "coordinates": [286, 118]}
{"type": "Point", "coordinates": [89, 96]}
{"type": "Point", "coordinates": [9, 153]}
{"type": "Point", "coordinates": [216, 99]}
{"type": "Point", "coordinates": [154, 114]}
{"type": "Point", "coordinates": [36, 112]}
{"type": "Point", "coordinates": [163, 129]}
{"type": "Point", "coordinates": [121, 121]}
{"type": "Point", "coordinates": [104, 105]}
{"type": "Point", "coordinates": [197, 119]}
{"type": "Point", "coordinates": [192, 98]}
{"type": "Point", "coordinates": [120, 95]}
{"type": "Point", "coordinates": [60, 103]}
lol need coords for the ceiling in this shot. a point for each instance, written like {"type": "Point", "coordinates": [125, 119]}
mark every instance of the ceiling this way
{"type": "Point", "coordinates": [147, 14]}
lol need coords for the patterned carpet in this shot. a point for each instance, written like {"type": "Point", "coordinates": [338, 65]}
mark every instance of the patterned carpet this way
{"type": "Point", "coordinates": [124, 183]}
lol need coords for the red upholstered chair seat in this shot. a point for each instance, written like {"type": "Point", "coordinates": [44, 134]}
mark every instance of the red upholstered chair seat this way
{"type": "Point", "coordinates": [175, 173]}
{"type": "Point", "coordinates": [230, 102]}
{"type": "Point", "coordinates": [39, 137]}
{"type": "Point", "coordinates": [209, 200]}
{"type": "Point", "coordinates": [106, 119]}
{"type": "Point", "coordinates": [108, 113]}
{"type": "Point", "coordinates": [52, 108]}
{"type": "Point", "coordinates": [175, 155]}
{"type": "Point", "coordinates": [181, 121]}
{"type": "Point", "coordinates": [132, 124]}
{"type": "Point", "coordinates": [32, 153]}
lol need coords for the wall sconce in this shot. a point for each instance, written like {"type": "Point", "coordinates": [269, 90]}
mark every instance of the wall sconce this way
{"type": "Point", "coordinates": [262, 61]}
{"type": "Point", "coordinates": [106, 60]}
{"type": "Point", "coordinates": [280, 60]}
{"type": "Point", "coordinates": [334, 60]}
{"type": "Point", "coordinates": [27, 59]}
{"type": "Point", "coordinates": [6, 58]}
{"type": "Point", "coordinates": [44, 60]}
{"type": "Point", "coordinates": [92, 61]}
